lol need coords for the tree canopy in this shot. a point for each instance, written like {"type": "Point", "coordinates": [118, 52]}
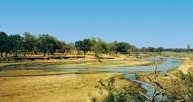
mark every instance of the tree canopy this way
{"type": "Point", "coordinates": [47, 44]}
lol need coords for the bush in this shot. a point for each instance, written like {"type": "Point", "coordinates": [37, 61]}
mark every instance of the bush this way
{"type": "Point", "coordinates": [182, 88]}
{"type": "Point", "coordinates": [125, 94]}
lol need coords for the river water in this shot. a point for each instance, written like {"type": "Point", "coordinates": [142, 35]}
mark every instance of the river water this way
{"type": "Point", "coordinates": [167, 65]}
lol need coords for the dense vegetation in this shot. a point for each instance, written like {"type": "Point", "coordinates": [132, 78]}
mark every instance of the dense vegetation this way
{"type": "Point", "coordinates": [47, 44]}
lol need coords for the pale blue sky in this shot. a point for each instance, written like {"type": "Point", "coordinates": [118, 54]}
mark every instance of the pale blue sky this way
{"type": "Point", "coordinates": [167, 23]}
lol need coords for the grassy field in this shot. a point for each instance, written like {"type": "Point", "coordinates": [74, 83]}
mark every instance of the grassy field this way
{"type": "Point", "coordinates": [89, 61]}
{"type": "Point", "coordinates": [58, 88]}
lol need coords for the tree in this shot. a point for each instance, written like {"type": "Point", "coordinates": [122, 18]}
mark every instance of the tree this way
{"type": "Point", "coordinates": [65, 47]}
{"type": "Point", "coordinates": [15, 43]}
{"type": "Point", "coordinates": [84, 45]}
{"type": "Point", "coordinates": [120, 47]}
{"type": "Point", "coordinates": [99, 46]}
{"type": "Point", "coordinates": [151, 49]}
{"type": "Point", "coordinates": [29, 43]}
{"type": "Point", "coordinates": [47, 43]}
{"type": "Point", "coordinates": [3, 42]}
{"type": "Point", "coordinates": [160, 49]}
{"type": "Point", "coordinates": [70, 47]}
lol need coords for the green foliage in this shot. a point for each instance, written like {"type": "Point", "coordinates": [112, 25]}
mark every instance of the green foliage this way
{"type": "Point", "coordinates": [125, 94]}
{"type": "Point", "coordinates": [182, 90]}
{"type": "Point", "coordinates": [47, 43]}
{"type": "Point", "coordinates": [84, 45]}
{"type": "Point", "coordinates": [15, 43]}
{"type": "Point", "coordinates": [99, 46]}
{"type": "Point", "coordinates": [3, 42]}
{"type": "Point", "coordinates": [120, 47]}
{"type": "Point", "coordinates": [30, 42]}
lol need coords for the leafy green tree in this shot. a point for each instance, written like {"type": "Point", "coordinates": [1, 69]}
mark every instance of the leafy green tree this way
{"type": "Point", "coordinates": [29, 43]}
{"type": "Point", "coordinates": [3, 42]}
{"type": "Point", "coordinates": [160, 49]}
{"type": "Point", "coordinates": [70, 47]}
{"type": "Point", "coordinates": [47, 43]}
{"type": "Point", "coordinates": [120, 47]}
{"type": "Point", "coordinates": [84, 45]}
{"type": "Point", "coordinates": [151, 49]}
{"type": "Point", "coordinates": [98, 48]}
{"type": "Point", "coordinates": [65, 47]}
{"type": "Point", "coordinates": [15, 43]}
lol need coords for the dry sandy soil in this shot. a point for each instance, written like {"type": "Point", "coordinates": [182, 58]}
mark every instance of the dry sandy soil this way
{"type": "Point", "coordinates": [187, 66]}
{"type": "Point", "coordinates": [57, 88]}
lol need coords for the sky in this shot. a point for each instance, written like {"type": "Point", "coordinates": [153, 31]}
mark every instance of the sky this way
{"type": "Point", "coordinates": [157, 23]}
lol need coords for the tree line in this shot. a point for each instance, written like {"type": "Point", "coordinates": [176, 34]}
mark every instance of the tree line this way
{"type": "Point", "coordinates": [47, 44]}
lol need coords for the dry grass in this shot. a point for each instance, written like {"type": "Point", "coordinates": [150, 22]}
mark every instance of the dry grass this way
{"type": "Point", "coordinates": [187, 66]}
{"type": "Point", "coordinates": [89, 61]}
{"type": "Point", "coordinates": [59, 88]}
{"type": "Point", "coordinates": [12, 73]}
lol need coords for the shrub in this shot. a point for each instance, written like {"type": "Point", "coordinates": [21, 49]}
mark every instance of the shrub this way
{"type": "Point", "coordinates": [125, 94]}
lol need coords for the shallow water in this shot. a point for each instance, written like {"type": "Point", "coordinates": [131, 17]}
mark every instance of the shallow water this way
{"type": "Point", "coordinates": [167, 65]}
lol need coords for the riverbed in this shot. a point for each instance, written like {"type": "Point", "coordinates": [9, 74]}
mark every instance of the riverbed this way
{"type": "Point", "coordinates": [128, 73]}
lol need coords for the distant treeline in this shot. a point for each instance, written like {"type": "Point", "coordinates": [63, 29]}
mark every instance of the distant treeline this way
{"type": "Point", "coordinates": [47, 44]}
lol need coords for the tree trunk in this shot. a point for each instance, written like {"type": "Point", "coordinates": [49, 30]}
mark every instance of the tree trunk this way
{"type": "Point", "coordinates": [1, 53]}
{"type": "Point", "coordinates": [44, 53]}
{"type": "Point", "coordinates": [16, 53]}
{"type": "Point", "coordinates": [51, 52]}
{"type": "Point", "coordinates": [6, 54]}
{"type": "Point", "coordinates": [98, 58]}
{"type": "Point", "coordinates": [84, 53]}
{"type": "Point", "coordinates": [35, 52]}
{"type": "Point", "coordinates": [24, 54]}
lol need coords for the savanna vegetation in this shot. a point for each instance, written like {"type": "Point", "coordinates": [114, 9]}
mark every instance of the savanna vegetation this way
{"type": "Point", "coordinates": [45, 44]}
{"type": "Point", "coordinates": [11, 45]}
{"type": "Point", "coordinates": [28, 85]}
